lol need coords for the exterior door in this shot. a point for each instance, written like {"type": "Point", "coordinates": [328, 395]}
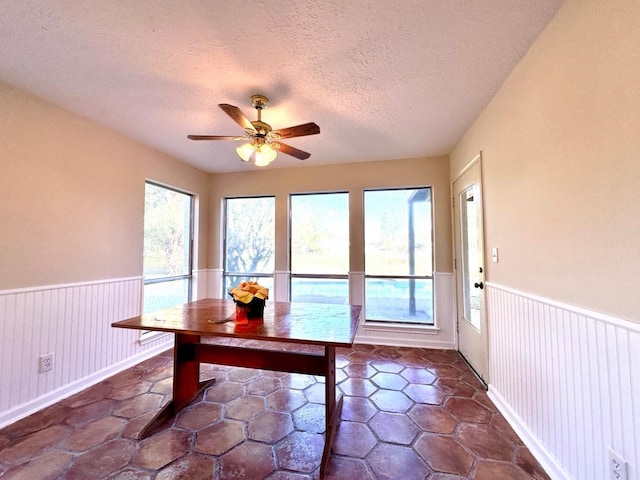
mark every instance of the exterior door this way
{"type": "Point", "coordinates": [469, 245]}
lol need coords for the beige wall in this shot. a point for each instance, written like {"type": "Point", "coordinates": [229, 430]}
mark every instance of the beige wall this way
{"type": "Point", "coordinates": [72, 195]}
{"type": "Point", "coordinates": [354, 178]}
{"type": "Point", "coordinates": [561, 158]}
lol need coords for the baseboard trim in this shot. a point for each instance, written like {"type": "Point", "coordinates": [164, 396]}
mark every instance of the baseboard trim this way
{"type": "Point", "coordinates": [537, 449]}
{"type": "Point", "coordinates": [29, 408]}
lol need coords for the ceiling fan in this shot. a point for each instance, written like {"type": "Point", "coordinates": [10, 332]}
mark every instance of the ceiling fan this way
{"type": "Point", "coordinates": [262, 142]}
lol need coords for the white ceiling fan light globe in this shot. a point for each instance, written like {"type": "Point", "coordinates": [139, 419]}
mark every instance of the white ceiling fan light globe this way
{"type": "Point", "coordinates": [245, 151]}
{"type": "Point", "coordinates": [265, 155]}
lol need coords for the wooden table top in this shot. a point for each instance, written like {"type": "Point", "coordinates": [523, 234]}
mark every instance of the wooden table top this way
{"type": "Point", "coordinates": [311, 323]}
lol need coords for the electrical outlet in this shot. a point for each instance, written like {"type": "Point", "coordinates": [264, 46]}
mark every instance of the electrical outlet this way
{"type": "Point", "coordinates": [46, 363]}
{"type": "Point", "coordinates": [617, 466]}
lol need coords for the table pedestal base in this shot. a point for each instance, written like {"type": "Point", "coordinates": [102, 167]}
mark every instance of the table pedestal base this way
{"type": "Point", "coordinates": [189, 353]}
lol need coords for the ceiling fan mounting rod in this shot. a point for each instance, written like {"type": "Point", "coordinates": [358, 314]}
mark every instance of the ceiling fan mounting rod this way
{"type": "Point", "coordinates": [260, 102]}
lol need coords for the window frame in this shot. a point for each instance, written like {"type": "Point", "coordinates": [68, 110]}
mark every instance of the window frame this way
{"type": "Point", "coordinates": [249, 275]}
{"type": "Point", "coordinates": [148, 335]}
{"type": "Point", "coordinates": [400, 323]}
{"type": "Point", "coordinates": [320, 276]}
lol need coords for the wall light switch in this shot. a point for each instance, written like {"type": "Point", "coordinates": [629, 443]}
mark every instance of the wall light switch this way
{"type": "Point", "coordinates": [494, 255]}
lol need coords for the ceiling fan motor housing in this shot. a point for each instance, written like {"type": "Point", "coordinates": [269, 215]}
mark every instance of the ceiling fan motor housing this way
{"type": "Point", "coordinates": [263, 129]}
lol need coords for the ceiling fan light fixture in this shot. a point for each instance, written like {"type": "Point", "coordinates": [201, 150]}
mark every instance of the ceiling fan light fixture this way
{"type": "Point", "coordinates": [245, 151]}
{"type": "Point", "coordinates": [262, 141]}
{"type": "Point", "coordinates": [265, 155]}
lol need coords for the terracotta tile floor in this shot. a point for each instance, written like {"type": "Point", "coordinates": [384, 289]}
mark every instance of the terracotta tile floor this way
{"type": "Point", "coordinates": [408, 414]}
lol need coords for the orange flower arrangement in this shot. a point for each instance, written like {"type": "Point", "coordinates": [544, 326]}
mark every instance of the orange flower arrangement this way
{"type": "Point", "coordinates": [247, 291]}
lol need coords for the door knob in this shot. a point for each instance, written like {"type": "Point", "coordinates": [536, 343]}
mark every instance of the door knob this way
{"type": "Point", "coordinates": [479, 285]}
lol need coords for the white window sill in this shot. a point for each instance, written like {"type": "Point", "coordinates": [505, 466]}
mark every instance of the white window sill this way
{"type": "Point", "coordinates": [150, 336]}
{"type": "Point", "coordinates": [373, 326]}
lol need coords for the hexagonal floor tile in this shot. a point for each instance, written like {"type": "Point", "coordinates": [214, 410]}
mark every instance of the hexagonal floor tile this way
{"type": "Point", "coordinates": [392, 462]}
{"type": "Point", "coordinates": [354, 439]}
{"type": "Point", "coordinates": [391, 401]}
{"type": "Point", "coordinates": [467, 410]}
{"type": "Point", "coordinates": [424, 394]}
{"type": "Point", "coordinates": [248, 460]}
{"type": "Point", "coordinates": [263, 385]}
{"type": "Point", "coordinates": [50, 465]}
{"type": "Point", "coordinates": [270, 427]}
{"type": "Point", "coordinates": [485, 441]}
{"type": "Point", "coordinates": [286, 400]}
{"type": "Point", "coordinates": [130, 390]}
{"type": "Point", "coordinates": [224, 392]}
{"type": "Point", "coordinates": [446, 371]}
{"type": "Point", "coordinates": [444, 454]}
{"type": "Point", "coordinates": [394, 428]}
{"type": "Point", "coordinates": [138, 405]}
{"type": "Point", "coordinates": [98, 462]}
{"type": "Point", "coordinates": [161, 449]}
{"type": "Point", "coordinates": [300, 452]}
{"type": "Point", "coordinates": [492, 470]}
{"type": "Point", "coordinates": [310, 418]}
{"type": "Point", "coordinates": [219, 437]}
{"type": "Point", "coordinates": [192, 466]}
{"type": "Point", "coordinates": [242, 375]}
{"type": "Point", "coordinates": [94, 434]}
{"type": "Point", "coordinates": [357, 387]}
{"type": "Point", "coordinates": [90, 413]}
{"type": "Point", "coordinates": [433, 419]}
{"type": "Point", "coordinates": [245, 407]}
{"type": "Point", "coordinates": [387, 352]}
{"type": "Point", "coordinates": [389, 381]}
{"type": "Point", "coordinates": [340, 468]}
{"type": "Point", "coordinates": [33, 444]}
{"type": "Point", "coordinates": [297, 381]}
{"type": "Point", "coordinates": [418, 375]}
{"type": "Point", "coordinates": [359, 370]}
{"type": "Point", "coordinates": [451, 386]}
{"type": "Point", "coordinates": [357, 409]}
{"type": "Point", "coordinates": [315, 393]}
{"type": "Point", "coordinates": [387, 366]}
{"type": "Point", "coordinates": [199, 416]}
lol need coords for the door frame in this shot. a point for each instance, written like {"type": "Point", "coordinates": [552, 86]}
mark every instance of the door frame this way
{"type": "Point", "coordinates": [477, 159]}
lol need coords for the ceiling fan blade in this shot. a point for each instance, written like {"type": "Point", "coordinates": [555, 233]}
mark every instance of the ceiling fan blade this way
{"type": "Point", "coordinates": [214, 137]}
{"type": "Point", "coordinates": [289, 150]}
{"type": "Point", "coordinates": [299, 130]}
{"type": "Point", "coordinates": [236, 114]}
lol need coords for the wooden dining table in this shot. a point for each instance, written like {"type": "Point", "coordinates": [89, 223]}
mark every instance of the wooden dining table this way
{"type": "Point", "coordinates": [325, 325]}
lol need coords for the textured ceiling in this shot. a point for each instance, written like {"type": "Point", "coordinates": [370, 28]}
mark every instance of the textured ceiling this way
{"type": "Point", "coordinates": [384, 80]}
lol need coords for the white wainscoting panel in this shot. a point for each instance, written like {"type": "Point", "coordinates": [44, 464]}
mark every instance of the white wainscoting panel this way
{"type": "Point", "coordinates": [74, 323]}
{"type": "Point", "coordinates": [568, 381]}
{"type": "Point", "coordinates": [215, 281]}
{"type": "Point", "coordinates": [281, 286]}
{"type": "Point", "coordinates": [356, 289]}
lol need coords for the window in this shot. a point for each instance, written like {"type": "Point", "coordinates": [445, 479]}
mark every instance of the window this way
{"type": "Point", "coordinates": [249, 234]}
{"type": "Point", "coordinates": [168, 241]}
{"type": "Point", "coordinates": [398, 256]}
{"type": "Point", "coordinates": [320, 248]}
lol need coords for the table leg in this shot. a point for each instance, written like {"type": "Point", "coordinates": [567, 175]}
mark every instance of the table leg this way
{"type": "Point", "coordinates": [186, 382]}
{"type": "Point", "coordinates": [333, 407]}
{"type": "Point", "coordinates": [186, 370]}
